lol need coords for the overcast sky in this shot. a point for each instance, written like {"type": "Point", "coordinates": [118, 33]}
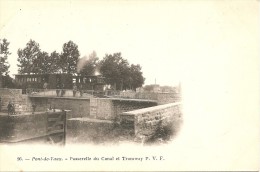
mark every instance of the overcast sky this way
{"type": "Point", "coordinates": [169, 39]}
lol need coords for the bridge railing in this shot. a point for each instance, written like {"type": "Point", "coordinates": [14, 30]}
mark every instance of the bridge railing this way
{"type": "Point", "coordinates": [61, 92]}
{"type": "Point", "coordinates": [113, 93]}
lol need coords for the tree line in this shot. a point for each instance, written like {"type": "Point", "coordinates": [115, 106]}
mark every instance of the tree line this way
{"type": "Point", "coordinates": [117, 71]}
{"type": "Point", "coordinates": [5, 79]}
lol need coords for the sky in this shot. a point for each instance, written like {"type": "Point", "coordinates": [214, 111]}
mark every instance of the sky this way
{"type": "Point", "coordinates": [150, 34]}
{"type": "Point", "coordinates": [167, 38]}
{"type": "Point", "coordinates": [173, 41]}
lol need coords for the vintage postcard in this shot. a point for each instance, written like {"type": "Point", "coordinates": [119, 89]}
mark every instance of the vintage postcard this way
{"type": "Point", "coordinates": [129, 85]}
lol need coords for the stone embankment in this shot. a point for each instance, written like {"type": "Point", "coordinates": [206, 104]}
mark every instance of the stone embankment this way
{"type": "Point", "coordinates": [148, 122]}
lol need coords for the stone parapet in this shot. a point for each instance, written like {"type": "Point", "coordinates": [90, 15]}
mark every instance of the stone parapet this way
{"type": "Point", "coordinates": [110, 109]}
{"type": "Point", "coordinates": [146, 122]}
{"type": "Point", "coordinates": [161, 98]}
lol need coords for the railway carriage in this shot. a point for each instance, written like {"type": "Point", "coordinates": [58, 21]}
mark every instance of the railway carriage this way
{"type": "Point", "coordinates": [36, 81]}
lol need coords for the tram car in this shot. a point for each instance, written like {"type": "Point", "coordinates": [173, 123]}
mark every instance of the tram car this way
{"type": "Point", "coordinates": [36, 81]}
{"type": "Point", "coordinates": [90, 82]}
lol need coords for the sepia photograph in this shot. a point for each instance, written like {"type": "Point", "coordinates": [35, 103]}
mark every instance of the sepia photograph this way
{"type": "Point", "coordinates": [129, 85]}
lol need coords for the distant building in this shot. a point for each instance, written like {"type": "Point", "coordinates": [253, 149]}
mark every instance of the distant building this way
{"type": "Point", "coordinates": [152, 88]}
{"type": "Point", "coordinates": [156, 88]}
{"type": "Point", "coordinates": [140, 89]}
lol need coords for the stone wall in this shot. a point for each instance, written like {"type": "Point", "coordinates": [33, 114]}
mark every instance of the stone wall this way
{"type": "Point", "coordinates": [15, 96]}
{"type": "Point", "coordinates": [125, 105]}
{"type": "Point", "coordinates": [128, 126]}
{"type": "Point", "coordinates": [103, 125]}
{"type": "Point", "coordinates": [77, 107]}
{"type": "Point", "coordinates": [161, 98]}
{"type": "Point", "coordinates": [164, 98]}
{"type": "Point", "coordinates": [99, 108]}
{"type": "Point", "coordinates": [145, 122]}
{"type": "Point", "coordinates": [103, 108]}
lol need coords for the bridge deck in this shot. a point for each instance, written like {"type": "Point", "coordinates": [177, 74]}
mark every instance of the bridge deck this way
{"type": "Point", "coordinates": [88, 97]}
{"type": "Point", "coordinates": [126, 99]}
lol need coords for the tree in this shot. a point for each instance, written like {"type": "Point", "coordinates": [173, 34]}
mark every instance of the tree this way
{"type": "Point", "coordinates": [136, 76]}
{"type": "Point", "coordinates": [55, 62]}
{"type": "Point", "coordinates": [29, 58]}
{"type": "Point", "coordinates": [118, 72]}
{"type": "Point", "coordinates": [115, 69]}
{"type": "Point", "coordinates": [69, 58]}
{"type": "Point", "coordinates": [7, 82]}
{"type": "Point", "coordinates": [44, 63]}
{"type": "Point", "coordinates": [88, 65]}
{"type": "Point", "coordinates": [4, 53]}
{"type": "Point", "coordinates": [48, 64]}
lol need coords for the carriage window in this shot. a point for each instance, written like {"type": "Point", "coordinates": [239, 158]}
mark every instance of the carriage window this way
{"type": "Point", "coordinates": [35, 79]}
{"type": "Point", "coordinates": [100, 80]}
